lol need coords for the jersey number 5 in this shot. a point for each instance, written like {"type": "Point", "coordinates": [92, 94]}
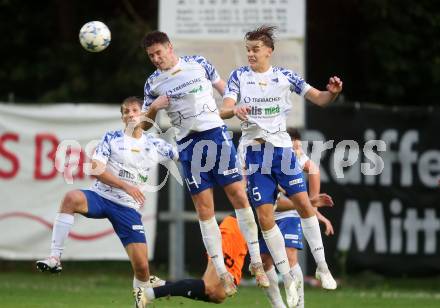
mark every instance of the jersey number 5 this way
{"type": "Point", "coordinates": [256, 195]}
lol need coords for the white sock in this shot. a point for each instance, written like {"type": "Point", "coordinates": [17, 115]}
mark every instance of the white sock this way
{"type": "Point", "coordinates": [312, 233]}
{"type": "Point", "coordinates": [212, 238]}
{"type": "Point", "coordinates": [139, 283]}
{"type": "Point", "coordinates": [149, 293]}
{"type": "Point", "coordinates": [249, 229]}
{"type": "Point", "coordinates": [60, 231]}
{"type": "Point", "coordinates": [297, 273]}
{"type": "Point", "coordinates": [273, 292]}
{"type": "Point", "coordinates": [275, 242]}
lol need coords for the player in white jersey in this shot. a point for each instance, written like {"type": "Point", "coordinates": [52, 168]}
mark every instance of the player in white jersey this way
{"type": "Point", "coordinates": [258, 95]}
{"type": "Point", "coordinates": [183, 86]}
{"type": "Point", "coordinates": [288, 220]}
{"type": "Point", "coordinates": [121, 164]}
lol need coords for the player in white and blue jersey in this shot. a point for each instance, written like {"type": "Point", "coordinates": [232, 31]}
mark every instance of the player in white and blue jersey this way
{"type": "Point", "coordinates": [121, 164]}
{"type": "Point", "coordinates": [258, 94]}
{"type": "Point", "coordinates": [183, 86]}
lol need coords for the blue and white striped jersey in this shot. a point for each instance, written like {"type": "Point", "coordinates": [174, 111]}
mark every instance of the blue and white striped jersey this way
{"type": "Point", "coordinates": [267, 95]}
{"type": "Point", "coordinates": [131, 160]}
{"type": "Point", "coordinates": [189, 87]}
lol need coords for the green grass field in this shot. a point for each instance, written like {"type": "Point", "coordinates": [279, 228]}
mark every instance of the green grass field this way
{"type": "Point", "coordinates": [92, 284]}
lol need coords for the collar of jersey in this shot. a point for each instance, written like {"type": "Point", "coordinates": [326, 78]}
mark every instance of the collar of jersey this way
{"type": "Point", "coordinates": [263, 73]}
{"type": "Point", "coordinates": [169, 71]}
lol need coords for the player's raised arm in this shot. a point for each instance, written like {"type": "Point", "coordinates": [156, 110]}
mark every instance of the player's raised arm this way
{"type": "Point", "coordinates": [322, 98]}
{"type": "Point", "coordinates": [314, 178]}
{"type": "Point", "coordinates": [327, 223]}
{"type": "Point", "coordinates": [159, 103]}
{"type": "Point", "coordinates": [232, 90]}
{"type": "Point", "coordinates": [220, 86]}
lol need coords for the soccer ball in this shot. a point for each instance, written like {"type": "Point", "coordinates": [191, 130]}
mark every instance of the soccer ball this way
{"type": "Point", "coordinates": [94, 36]}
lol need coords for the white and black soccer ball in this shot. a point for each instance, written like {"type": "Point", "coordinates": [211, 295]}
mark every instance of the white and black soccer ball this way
{"type": "Point", "coordinates": [94, 36]}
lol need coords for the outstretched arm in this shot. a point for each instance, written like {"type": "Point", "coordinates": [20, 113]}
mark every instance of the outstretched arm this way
{"type": "Point", "coordinates": [320, 200]}
{"type": "Point", "coordinates": [314, 178]}
{"type": "Point", "coordinates": [322, 98]}
{"type": "Point", "coordinates": [159, 103]}
{"type": "Point", "coordinates": [327, 223]}
{"type": "Point", "coordinates": [220, 86]}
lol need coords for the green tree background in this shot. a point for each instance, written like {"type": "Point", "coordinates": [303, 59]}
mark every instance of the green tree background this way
{"type": "Point", "coordinates": [387, 52]}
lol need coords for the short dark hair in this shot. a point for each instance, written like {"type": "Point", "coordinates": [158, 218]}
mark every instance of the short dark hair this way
{"type": "Point", "coordinates": [154, 37]}
{"type": "Point", "coordinates": [131, 100]}
{"type": "Point", "coordinates": [264, 34]}
{"type": "Point", "coordinates": [294, 134]}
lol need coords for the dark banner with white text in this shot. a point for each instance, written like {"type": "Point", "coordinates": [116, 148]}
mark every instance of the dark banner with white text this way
{"type": "Point", "coordinates": [382, 168]}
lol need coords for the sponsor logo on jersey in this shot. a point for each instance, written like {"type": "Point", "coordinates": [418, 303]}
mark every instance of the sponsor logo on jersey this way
{"type": "Point", "coordinates": [268, 111]}
{"type": "Point", "coordinates": [126, 175]}
{"type": "Point", "coordinates": [142, 178]}
{"type": "Point", "coordinates": [196, 90]}
{"type": "Point", "coordinates": [183, 85]}
{"type": "Point", "coordinates": [176, 72]}
{"type": "Point", "coordinates": [136, 150]}
{"type": "Point", "coordinates": [248, 99]}
{"type": "Point", "coordinates": [262, 84]}
{"type": "Point", "coordinates": [296, 181]}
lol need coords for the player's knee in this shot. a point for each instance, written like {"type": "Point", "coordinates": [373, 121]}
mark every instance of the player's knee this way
{"type": "Point", "coordinates": [239, 198]}
{"type": "Point", "coordinates": [71, 201]}
{"type": "Point", "coordinates": [140, 269]}
{"type": "Point", "coordinates": [141, 274]}
{"type": "Point", "coordinates": [204, 211]}
{"type": "Point", "coordinates": [266, 222]}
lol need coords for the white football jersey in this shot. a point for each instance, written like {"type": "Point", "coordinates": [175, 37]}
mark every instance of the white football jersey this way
{"type": "Point", "coordinates": [189, 87]}
{"type": "Point", "coordinates": [267, 94]}
{"type": "Point", "coordinates": [130, 160]}
{"type": "Point", "coordinates": [302, 158]}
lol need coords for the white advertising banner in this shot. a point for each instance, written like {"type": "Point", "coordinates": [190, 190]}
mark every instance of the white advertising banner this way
{"type": "Point", "coordinates": [230, 19]}
{"type": "Point", "coordinates": [32, 188]}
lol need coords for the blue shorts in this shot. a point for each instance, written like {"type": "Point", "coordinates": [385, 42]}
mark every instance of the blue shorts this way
{"type": "Point", "coordinates": [267, 167]}
{"type": "Point", "coordinates": [208, 158]}
{"type": "Point", "coordinates": [126, 222]}
{"type": "Point", "coordinates": [291, 229]}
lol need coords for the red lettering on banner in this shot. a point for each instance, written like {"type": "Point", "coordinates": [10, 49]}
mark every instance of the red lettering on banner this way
{"type": "Point", "coordinates": [79, 164]}
{"type": "Point", "coordinates": [9, 156]}
{"type": "Point", "coordinates": [40, 140]}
